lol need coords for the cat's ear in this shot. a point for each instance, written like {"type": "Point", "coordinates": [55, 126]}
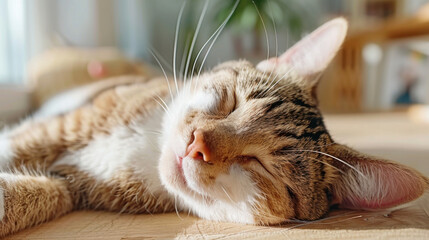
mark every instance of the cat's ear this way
{"type": "Point", "coordinates": [370, 183]}
{"type": "Point", "coordinates": [312, 54]}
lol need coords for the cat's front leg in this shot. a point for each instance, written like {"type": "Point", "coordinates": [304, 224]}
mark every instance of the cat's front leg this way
{"type": "Point", "coordinates": [26, 201]}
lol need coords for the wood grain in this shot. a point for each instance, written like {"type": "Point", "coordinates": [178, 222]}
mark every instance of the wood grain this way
{"type": "Point", "coordinates": [401, 224]}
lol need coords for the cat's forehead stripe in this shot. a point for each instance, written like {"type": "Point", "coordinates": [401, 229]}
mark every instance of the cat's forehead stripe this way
{"type": "Point", "coordinates": [273, 105]}
{"type": "Point", "coordinates": [255, 94]}
{"type": "Point", "coordinates": [300, 102]}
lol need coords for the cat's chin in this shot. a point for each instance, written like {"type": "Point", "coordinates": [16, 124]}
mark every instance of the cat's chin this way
{"type": "Point", "coordinates": [172, 174]}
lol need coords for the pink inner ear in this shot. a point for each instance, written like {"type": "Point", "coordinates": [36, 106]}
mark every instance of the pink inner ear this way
{"type": "Point", "coordinates": [313, 53]}
{"type": "Point", "coordinates": [385, 185]}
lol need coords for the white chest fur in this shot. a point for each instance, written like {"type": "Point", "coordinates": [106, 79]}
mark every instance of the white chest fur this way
{"type": "Point", "coordinates": [133, 147]}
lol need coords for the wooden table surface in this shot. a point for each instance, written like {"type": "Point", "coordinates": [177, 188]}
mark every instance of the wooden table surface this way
{"type": "Point", "coordinates": [391, 135]}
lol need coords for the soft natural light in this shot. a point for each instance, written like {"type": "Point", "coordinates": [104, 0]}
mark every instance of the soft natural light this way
{"type": "Point", "coordinates": [13, 50]}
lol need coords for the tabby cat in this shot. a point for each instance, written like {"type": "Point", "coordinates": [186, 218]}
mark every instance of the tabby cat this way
{"type": "Point", "coordinates": [239, 143]}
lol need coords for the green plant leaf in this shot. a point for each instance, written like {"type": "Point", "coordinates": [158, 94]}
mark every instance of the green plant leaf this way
{"type": "Point", "coordinates": [249, 17]}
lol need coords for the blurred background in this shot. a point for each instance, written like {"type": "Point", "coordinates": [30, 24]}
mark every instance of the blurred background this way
{"type": "Point", "coordinates": [49, 46]}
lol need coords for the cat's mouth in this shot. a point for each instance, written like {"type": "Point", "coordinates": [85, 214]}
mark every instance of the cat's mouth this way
{"type": "Point", "coordinates": [179, 161]}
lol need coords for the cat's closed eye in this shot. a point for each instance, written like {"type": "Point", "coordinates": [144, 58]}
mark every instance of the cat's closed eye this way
{"type": "Point", "coordinates": [247, 159]}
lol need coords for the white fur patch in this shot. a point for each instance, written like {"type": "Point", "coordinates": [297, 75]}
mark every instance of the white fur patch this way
{"type": "Point", "coordinates": [233, 196]}
{"type": "Point", "coordinates": [237, 185]}
{"type": "Point", "coordinates": [133, 146]}
{"type": "Point", "coordinates": [240, 212]}
{"type": "Point", "coordinates": [204, 101]}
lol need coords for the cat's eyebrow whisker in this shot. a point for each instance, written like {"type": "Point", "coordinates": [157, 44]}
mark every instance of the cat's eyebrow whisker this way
{"type": "Point", "coordinates": [274, 28]}
{"type": "Point", "coordinates": [197, 30]}
{"type": "Point", "coordinates": [217, 35]}
{"type": "Point", "coordinates": [214, 34]}
{"type": "Point", "coordinates": [165, 75]}
{"type": "Point", "coordinates": [265, 31]}
{"type": "Point", "coordinates": [276, 43]}
{"type": "Point", "coordinates": [277, 89]}
{"type": "Point", "coordinates": [278, 80]}
{"type": "Point", "coordinates": [331, 156]}
{"type": "Point", "coordinates": [184, 56]}
{"type": "Point", "coordinates": [276, 48]}
{"type": "Point", "coordinates": [293, 66]}
{"type": "Point", "coordinates": [179, 18]}
{"type": "Point", "coordinates": [272, 84]}
{"type": "Point", "coordinates": [284, 75]}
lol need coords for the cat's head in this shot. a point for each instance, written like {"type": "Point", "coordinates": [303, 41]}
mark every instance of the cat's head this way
{"type": "Point", "coordinates": [248, 144]}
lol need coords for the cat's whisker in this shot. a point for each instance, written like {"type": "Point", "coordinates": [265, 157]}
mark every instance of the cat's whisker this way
{"type": "Point", "coordinates": [197, 30]}
{"type": "Point", "coordinates": [164, 62]}
{"type": "Point", "coordinates": [287, 47]}
{"type": "Point", "coordinates": [278, 80]}
{"type": "Point", "coordinates": [315, 77]}
{"type": "Point", "coordinates": [339, 221]}
{"type": "Point", "coordinates": [273, 81]}
{"type": "Point", "coordinates": [226, 193]}
{"type": "Point", "coordinates": [317, 160]}
{"type": "Point", "coordinates": [162, 100]}
{"type": "Point", "coordinates": [175, 207]}
{"type": "Point", "coordinates": [165, 75]}
{"type": "Point", "coordinates": [265, 31]}
{"type": "Point", "coordinates": [189, 209]}
{"type": "Point", "coordinates": [175, 44]}
{"type": "Point", "coordinates": [184, 56]}
{"type": "Point", "coordinates": [154, 132]}
{"type": "Point", "coordinates": [274, 28]}
{"type": "Point", "coordinates": [305, 223]}
{"type": "Point", "coordinates": [277, 89]}
{"type": "Point", "coordinates": [276, 42]}
{"type": "Point", "coordinates": [165, 109]}
{"type": "Point", "coordinates": [200, 51]}
{"type": "Point", "coordinates": [217, 35]}
{"type": "Point", "coordinates": [331, 156]}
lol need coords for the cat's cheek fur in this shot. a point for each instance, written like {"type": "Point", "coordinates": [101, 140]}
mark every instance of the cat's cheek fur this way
{"type": "Point", "coordinates": [233, 195]}
{"type": "Point", "coordinates": [169, 172]}
{"type": "Point", "coordinates": [237, 186]}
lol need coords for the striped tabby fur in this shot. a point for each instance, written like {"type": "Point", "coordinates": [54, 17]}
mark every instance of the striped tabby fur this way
{"type": "Point", "coordinates": [239, 143]}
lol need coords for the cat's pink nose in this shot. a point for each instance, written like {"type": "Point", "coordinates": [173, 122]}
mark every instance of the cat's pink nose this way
{"type": "Point", "coordinates": [198, 149]}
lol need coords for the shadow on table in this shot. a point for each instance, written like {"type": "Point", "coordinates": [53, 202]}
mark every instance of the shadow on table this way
{"type": "Point", "coordinates": [411, 217]}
